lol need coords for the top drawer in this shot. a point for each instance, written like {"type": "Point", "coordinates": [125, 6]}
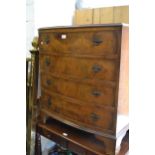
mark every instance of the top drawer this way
{"type": "Point", "coordinates": [89, 42]}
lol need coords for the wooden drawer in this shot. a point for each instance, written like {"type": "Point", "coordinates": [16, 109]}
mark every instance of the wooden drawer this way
{"type": "Point", "coordinates": [88, 116]}
{"type": "Point", "coordinates": [92, 94]}
{"type": "Point", "coordinates": [101, 69]}
{"type": "Point", "coordinates": [98, 42]}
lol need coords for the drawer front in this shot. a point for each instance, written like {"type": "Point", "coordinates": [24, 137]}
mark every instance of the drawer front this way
{"type": "Point", "coordinates": [82, 68]}
{"type": "Point", "coordinates": [96, 43]}
{"type": "Point", "coordinates": [92, 94]}
{"type": "Point", "coordinates": [93, 117]}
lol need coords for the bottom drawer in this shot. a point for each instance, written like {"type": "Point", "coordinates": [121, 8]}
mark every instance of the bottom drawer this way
{"type": "Point", "coordinates": [88, 116]}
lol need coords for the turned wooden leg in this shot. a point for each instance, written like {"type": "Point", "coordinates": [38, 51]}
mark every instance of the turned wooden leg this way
{"type": "Point", "coordinates": [37, 143]}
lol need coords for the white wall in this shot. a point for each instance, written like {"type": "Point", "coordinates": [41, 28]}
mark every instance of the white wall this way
{"type": "Point", "coordinates": [101, 3]}
{"type": "Point", "coordinates": [46, 13]}
{"type": "Point", "coordinates": [53, 13]}
{"type": "Point", "coordinates": [29, 24]}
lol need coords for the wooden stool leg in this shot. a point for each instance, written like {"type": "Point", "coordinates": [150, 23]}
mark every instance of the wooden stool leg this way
{"type": "Point", "coordinates": [38, 143]}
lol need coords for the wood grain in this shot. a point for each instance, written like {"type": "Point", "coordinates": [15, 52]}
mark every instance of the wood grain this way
{"type": "Point", "coordinates": [96, 16]}
{"type": "Point", "coordinates": [121, 14]}
{"type": "Point", "coordinates": [97, 42]}
{"type": "Point", "coordinates": [83, 16]}
{"type": "Point", "coordinates": [84, 78]}
{"type": "Point", "coordinates": [106, 15]}
{"type": "Point", "coordinates": [116, 14]}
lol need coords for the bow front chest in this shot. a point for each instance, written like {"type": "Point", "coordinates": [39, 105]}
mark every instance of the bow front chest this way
{"type": "Point", "coordinates": [84, 78]}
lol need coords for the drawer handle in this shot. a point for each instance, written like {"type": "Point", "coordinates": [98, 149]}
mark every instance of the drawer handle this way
{"type": "Point", "coordinates": [94, 117]}
{"type": "Point", "coordinates": [96, 68]}
{"type": "Point", "coordinates": [48, 82]}
{"type": "Point", "coordinates": [96, 93]}
{"type": "Point", "coordinates": [47, 62]}
{"type": "Point", "coordinates": [49, 102]}
{"type": "Point", "coordinates": [97, 41]}
{"type": "Point", "coordinates": [47, 40]}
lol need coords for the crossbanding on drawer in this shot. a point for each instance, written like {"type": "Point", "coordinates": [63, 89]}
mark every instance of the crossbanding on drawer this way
{"type": "Point", "coordinates": [93, 42]}
{"type": "Point", "coordinates": [91, 94]}
{"type": "Point", "coordinates": [101, 69]}
{"type": "Point", "coordinates": [91, 116]}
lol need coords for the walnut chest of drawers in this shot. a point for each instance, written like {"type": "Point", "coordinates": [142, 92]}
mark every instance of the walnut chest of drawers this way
{"type": "Point", "coordinates": [84, 77]}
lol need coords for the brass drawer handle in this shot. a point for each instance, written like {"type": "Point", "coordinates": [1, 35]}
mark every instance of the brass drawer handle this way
{"type": "Point", "coordinates": [97, 41]}
{"type": "Point", "coordinates": [94, 117]}
{"type": "Point", "coordinates": [96, 93]}
{"type": "Point", "coordinates": [96, 68]}
{"type": "Point", "coordinates": [49, 101]}
{"type": "Point", "coordinates": [47, 62]}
